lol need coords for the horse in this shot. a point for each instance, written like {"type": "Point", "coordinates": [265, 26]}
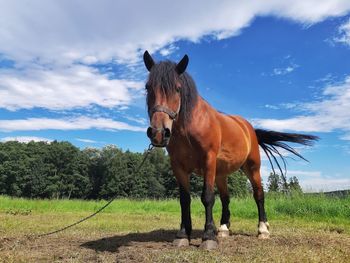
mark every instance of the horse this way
{"type": "Point", "coordinates": [201, 140]}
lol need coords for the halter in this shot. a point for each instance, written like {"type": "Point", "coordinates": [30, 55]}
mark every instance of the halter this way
{"type": "Point", "coordinates": [160, 108]}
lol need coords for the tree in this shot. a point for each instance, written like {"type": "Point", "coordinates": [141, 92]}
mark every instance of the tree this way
{"type": "Point", "coordinates": [237, 184]}
{"type": "Point", "coordinates": [196, 184]}
{"type": "Point", "coordinates": [114, 173]}
{"type": "Point", "coordinates": [294, 185]}
{"type": "Point", "coordinates": [70, 174]}
{"type": "Point", "coordinates": [94, 169]}
{"type": "Point", "coordinates": [280, 184]}
{"type": "Point", "coordinates": [274, 183]}
{"type": "Point", "coordinates": [159, 166]}
{"type": "Point", "coordinates": [61, 170]}
{"type": "Point", "coordinates": [284, 186]}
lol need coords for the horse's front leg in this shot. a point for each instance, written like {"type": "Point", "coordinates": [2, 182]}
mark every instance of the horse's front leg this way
{"type": "Point", "coordinates": [183, 236]}
{"type": "Point", "coordinates": [209, 240]}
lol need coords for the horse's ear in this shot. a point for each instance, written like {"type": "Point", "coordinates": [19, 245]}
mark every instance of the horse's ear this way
{"type": "Point", "coordinates": [149, 62]}
{"type": "Point", "coordinates": [182, 65]}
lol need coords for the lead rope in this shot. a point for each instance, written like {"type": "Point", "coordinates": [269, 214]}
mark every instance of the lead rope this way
{"type": "Point", "coordinates": [150, 148]}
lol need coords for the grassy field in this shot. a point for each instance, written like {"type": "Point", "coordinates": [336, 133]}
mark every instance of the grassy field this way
{"type": "Point", "coordinates": [304, 228]}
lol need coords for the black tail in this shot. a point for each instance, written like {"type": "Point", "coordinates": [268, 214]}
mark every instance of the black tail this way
{"type": "Point", "coordinates": [269, 140]}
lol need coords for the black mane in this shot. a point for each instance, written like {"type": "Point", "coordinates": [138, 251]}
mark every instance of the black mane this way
{"type": "Point", "coordinates": [164, 76]}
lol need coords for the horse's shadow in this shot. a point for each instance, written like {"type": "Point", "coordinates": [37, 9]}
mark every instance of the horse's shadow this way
{"type": "Point", "coordinates": [161, 236]}
{"type": "Point", "coordinates": [113, 243]}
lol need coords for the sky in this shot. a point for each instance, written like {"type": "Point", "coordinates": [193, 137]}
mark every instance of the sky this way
{"type": "Point", "coordinates": [73, 71]}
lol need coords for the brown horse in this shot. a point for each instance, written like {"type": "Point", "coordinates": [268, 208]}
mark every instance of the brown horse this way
{"type": "Point", "coordinates": [212, 144]}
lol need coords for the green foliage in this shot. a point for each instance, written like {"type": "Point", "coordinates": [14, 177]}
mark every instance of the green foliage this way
{"type": "Point", "coordinates": [238, 184]}
{"type": "Point", "coordinates": [273, 182]}
{"type": "Point", "coordinates": [46, 170]}
{"type": "Point", "coordinates": [279, 184]}
{"type": "Point", "coordinates": [60, 170]}
{"type": "Point", "coordinates": [294, 185]}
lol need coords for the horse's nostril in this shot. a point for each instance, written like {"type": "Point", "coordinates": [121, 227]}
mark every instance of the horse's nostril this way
{"type": "Point", "coordinates": [167, 133]}
{"type": "Point", "coordinates": [149, 133]}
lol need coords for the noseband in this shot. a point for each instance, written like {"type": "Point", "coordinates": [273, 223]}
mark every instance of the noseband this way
{"type": "Point", "coordinates": [160, 108]}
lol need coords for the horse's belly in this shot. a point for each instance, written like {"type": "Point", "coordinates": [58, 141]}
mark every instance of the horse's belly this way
{"type": "Point", "coordinates": [228, 165]}
{"type": "Point", "coordinates": [231, 157]}
{"type": "Point", "coordinates": [235, 145]}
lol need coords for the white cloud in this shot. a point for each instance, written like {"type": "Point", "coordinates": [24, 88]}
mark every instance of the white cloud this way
{"type": "Point", "coordinates": [273, 107]}
{"type": "Point", "coordinates": [25, 139]}
{"type": "Point", "coordinates": [315, 181]}
{"type": "Point", "coordinates": [48, 40]}
{"type": "Point", "coordinates": [346, 137]}
{"type": "Point", "coordinates": [325, 184]}
{"type": "Point", "coordinates": [80, 123]}
{"type": "Point", "coordinates": [166, 51]}
{"type": "Point", "coordinates": [86, 140]}
{"type": "Point", "coordinates": [344, 34]}
{"type": "Point", "coordinates": [299, 123]}
{"type": "Point", "coordinates": [63, 88]}
{"type": "Point", "coordinates": [284, 71]}
{"type": "Point", "coordinates": [329, 113]}
{"type": "Point", "coordinates": [304, 173]}
{"type": "Point", "coordinates": [136, 119]}
{"type": "Point", "coordinates": [98, 31]}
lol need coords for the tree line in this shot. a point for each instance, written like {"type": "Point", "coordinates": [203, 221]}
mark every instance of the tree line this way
{"type": "Point", "coordinates": [280, 184]}
{"type": "Point", "coordinates": [61, 170]}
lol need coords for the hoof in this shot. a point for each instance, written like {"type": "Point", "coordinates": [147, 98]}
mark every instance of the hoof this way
{"type": "Point", "coordinates": [181, 242]}
{"type": "Point", "coordinates": [263, 230]}
{"type": "Point", "coordinates": [264, 236]}
{"type": "Point", "coordinates": [209, 245]}
{"type": "Point", "coordinates": [223, 231]}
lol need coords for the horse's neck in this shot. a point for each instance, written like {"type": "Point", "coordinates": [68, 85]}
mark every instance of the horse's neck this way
{"type": "Point", "coordinates": [201, 107]}
{"type": "Point", "coordinates": [184, 127]}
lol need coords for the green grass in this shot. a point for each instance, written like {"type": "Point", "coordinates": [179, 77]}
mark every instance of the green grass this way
{"type": "Point", "coordinates": [310, 207]}
{"type": "Point", "coordinates": [310, 228]}
{"type": "Point", "coordinates": [319, 210]}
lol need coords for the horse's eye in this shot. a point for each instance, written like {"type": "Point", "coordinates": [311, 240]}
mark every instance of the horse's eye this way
{"type": "Point", "coordinates": [178, 89]}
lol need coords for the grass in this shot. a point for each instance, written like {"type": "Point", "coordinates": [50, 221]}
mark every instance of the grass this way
{"type": "Point", "coordinates": [315, 227]}
{"type": "Point", "coordinates": [310, 207]}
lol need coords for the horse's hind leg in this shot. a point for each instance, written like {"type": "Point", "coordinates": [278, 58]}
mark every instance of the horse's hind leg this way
{"type": "Point", "coordinates": [221, 183]}
{"type": "Point", "coordinates": [252, 170]}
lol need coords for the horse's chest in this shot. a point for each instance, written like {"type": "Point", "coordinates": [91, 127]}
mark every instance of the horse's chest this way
{"type": "Point", "coordinates": [184, 155]}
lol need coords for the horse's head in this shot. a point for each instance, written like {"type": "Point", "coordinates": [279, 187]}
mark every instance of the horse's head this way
{"type": "Point", "coordinates": [164, 88]}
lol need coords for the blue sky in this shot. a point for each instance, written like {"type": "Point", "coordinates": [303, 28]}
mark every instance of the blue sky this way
{"type": "Point", "coordinates": [73, 71]}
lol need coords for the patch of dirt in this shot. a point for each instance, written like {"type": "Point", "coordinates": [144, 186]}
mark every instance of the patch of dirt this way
{"type": "Point", "coordinates": [156, 246]}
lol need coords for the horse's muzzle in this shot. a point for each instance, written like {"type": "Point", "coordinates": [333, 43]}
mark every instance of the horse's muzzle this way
{"type": "Point", "coordinates": [159, 136]}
